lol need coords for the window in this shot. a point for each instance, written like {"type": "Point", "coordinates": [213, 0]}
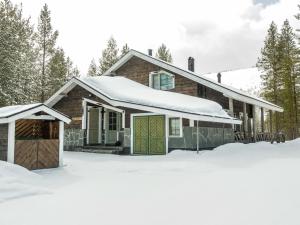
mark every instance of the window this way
{"type": "Point", "coordinates": [112, 119]}
{"type": "Point", "coordinates": [162, 80]}
{"type": "Point", "coordinates": [175, 127]}
{"type": "Point", "coordinates": [202, 91]}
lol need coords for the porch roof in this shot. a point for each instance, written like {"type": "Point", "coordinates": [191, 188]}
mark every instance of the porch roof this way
{"type": "Point", "coordinates": [15, 112]}
{"type": "Point", "coordinates": [123, 92]}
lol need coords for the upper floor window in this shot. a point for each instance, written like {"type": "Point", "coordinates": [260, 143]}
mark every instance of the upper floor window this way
{"type": "Point", "coordinates": [202, 91]}
{"type": "Point", "coordinates": [161, 80]}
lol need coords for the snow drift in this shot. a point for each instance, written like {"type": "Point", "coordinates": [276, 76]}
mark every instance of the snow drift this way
{"type": "Point", "coordinates": [17, 182]}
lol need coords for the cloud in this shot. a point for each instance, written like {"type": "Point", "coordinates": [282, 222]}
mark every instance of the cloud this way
{"type": "Point", "coordinates": [220, 35]}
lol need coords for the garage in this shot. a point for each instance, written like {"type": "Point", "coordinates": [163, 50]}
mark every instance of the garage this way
{"type": "Point", "coordinates": [32, 136]}
{"type": "Point", "coordinates": [149, 135]}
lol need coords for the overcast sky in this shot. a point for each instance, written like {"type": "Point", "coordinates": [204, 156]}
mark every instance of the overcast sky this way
{"type": "Point", "coordinates": [220, 35]}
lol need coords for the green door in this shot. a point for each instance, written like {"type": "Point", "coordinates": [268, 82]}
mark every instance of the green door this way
{"type": "Point", "coordinates": [141, 135]}
{"type": "Point", "coordinates": [149, 135]}
{"type": "Point", "coordinates": [157, 135]}
{"type": "Point", "coordinates": [94, 125]}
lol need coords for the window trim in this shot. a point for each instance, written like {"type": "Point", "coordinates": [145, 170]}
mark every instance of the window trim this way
{"type": "Point", "coordinates": [180, 127]}
{"type": "Point", "coordinates": [159, 74]}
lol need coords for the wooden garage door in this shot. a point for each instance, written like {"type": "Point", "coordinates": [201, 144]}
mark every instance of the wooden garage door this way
{"type": "Point", "coordinates": [37, 154]}
{"type": "Point", "coordinates": [149, 135]}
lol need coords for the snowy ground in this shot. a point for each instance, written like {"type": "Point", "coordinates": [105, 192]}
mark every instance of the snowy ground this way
{"type": "Point", "coordinates": [255, 184]}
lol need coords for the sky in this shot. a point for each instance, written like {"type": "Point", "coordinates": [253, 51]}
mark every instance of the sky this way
{"type": "Point", "coordinates": [220, 35]}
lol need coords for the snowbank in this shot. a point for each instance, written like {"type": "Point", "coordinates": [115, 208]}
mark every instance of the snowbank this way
{"type": "Point", "coordinates": [17, 182]}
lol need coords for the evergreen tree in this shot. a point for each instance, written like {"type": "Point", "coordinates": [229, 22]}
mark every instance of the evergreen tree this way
{"type": "Point", "coordinates": [164, 54]}
{"type": "Point", "coordinates": [46, 37]}
{"type": "Point", "coordinates": [109, 56]}
{"type": "Point", "coordinates": [71, 70]}
{"type": "Point", "coordinates": [289, 58]}
{"type": "Point", "coordinates": [268, 63]}
{"type": "Point", "coordinates": [93, 70]}
{"type": "Point", "coordinates": [57, 68]}
{"type": "Point", "coordinates": [124, 50]}
{"type": "Point", "coordinates": [16, 55]}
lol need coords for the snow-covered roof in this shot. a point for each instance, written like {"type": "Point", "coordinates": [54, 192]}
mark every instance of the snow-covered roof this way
{"type": "Point", "coordinates": [227, 90]}
{"type": "Point", "coordinates": [248, 79]}
{"type": "Point", "coordinates": [123, 92]}
{"type": "Point", "coordinates": [15, 112]}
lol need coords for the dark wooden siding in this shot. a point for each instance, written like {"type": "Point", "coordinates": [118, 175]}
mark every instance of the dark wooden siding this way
{"type": "Point", "coordinates": [138, 70]}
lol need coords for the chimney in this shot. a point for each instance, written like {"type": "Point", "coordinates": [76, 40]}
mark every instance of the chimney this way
{"type": "Point", "coordinates": [191, 64]}
{"type": "Point", "coordinates": [219, 77]}
{"type": "Point", "coordinates": [150, 52]}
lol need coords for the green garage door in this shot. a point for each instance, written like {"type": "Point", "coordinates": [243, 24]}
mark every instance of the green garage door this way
{"type": "Point", "coordinates": [149, 135]}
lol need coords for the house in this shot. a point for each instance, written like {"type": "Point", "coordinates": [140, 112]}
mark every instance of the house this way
{"type": "Point", "coordinates": [148, 106]}
{"type": "Point", "coordinates": [115, 111]}
{"type": "Point", "coordinates": [159, 74]}
{"type": "Point", "coordinates": [32, 135]}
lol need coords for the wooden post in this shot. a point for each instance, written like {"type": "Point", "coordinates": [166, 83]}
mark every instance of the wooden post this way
{"type": "Point", "coordinates": [262, 115]}
{"type": "Point", "coordinates": [254, 121]}
{"type": "Point", "coordinates": [197, 137]}
{"type": "Point", "coordinates": [245, 120]}
{"type": "Point", "coordinates": [271, 121]}
{"type": "Point", "coordinates": [231, 109]}
{"type": "Point", "coordinates": [61, 143]}
{"type": "Point", "coordinates": [11, 142]}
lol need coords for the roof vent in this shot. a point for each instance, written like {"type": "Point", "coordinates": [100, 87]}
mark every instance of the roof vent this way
{"type": "Point", "coordinates": [191, 64]}
{"type": "Point", "coordinates": [150, 52]}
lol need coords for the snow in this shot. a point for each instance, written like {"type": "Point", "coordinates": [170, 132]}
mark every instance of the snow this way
{"type": "Point", "coordinates": [17, 182]}
{"type": "Point", "coordinates": [15, 109]}
{"type": "Point", "coordinates": [248, 79]}
{"type": "Point", "coordinates": [234, 184]}
{"type": "Point", "coordinates": [133, 92]}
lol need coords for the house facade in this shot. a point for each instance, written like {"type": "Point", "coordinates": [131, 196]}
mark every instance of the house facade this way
{"type": "Point", "coordinates": [239, 104]}
{"type": "Point", "coordinates": [147, 106]}
{"type": "Point", "coordinates": [116, 113]}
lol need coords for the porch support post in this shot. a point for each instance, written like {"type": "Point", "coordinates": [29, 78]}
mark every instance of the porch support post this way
{"type": "Point", "coordinates": [197, 136]}
{"type": "Point", "coordinates": [254, 121]}
{"type": "Point", "coordinates": [231, 109]}
{"type": "Point", "coordinates": [11, 142]}
{"type": "Point", "coordinates": [123, 119]}
{"type": "Point", "coordinates": [271, 121]}
{"type": "Point", "coordinates": [61, 143]}
{"type": "Point", "coordinates": [262, 120]}
{"type": "Point", "coordinates": [245, 121]}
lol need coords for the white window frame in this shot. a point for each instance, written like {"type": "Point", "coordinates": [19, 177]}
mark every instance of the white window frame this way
{"type": "Point", "coordinates": [180, 127]}
{"type": "Point", "coordinates": [159, 73]}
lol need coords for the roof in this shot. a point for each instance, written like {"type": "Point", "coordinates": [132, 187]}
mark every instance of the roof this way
{"type": "Point", "coordinates": [227, 90]}
{"type": "Point", "coordinates": [247, 79]}
{"type": "Point", "coordinates": [123, 92]}
{"type": "Point", "coordinates": [15, 112]}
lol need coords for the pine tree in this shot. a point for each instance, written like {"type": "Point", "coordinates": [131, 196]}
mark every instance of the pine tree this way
{"type": "Point", "coordinates": [289, 64]}
{"type": "Point", "coordinates": [124, 50]}
{"type": "Point", "coordinates": [93, 70]}
{"type": "Point", "coordinates": [17, 57]}
{"type": "Point", "coordinates": [46, 45]}
{"type": "Point", "coordinates": [109, 56]}
{"type": "Point", "coordinates": [268, 63]}
{"type": "Point", "coordinates": [164, 54]}
{"type": "Point", "coordinates": [57, 68]}
{"type": "Point", "coordinates": [72, 71]}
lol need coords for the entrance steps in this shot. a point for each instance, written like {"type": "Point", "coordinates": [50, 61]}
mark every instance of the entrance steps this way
{"type": "Point", "coordinates": [102, 149]}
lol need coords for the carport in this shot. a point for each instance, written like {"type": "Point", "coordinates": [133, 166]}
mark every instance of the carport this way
{"type": "Point", "coordinates": [32, 136]}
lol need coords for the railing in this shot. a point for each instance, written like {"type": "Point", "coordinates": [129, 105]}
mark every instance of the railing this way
{"type": "Point", "coordinates": [261, 136]}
